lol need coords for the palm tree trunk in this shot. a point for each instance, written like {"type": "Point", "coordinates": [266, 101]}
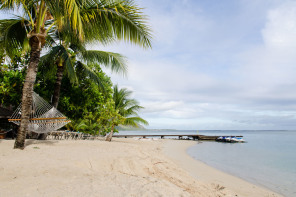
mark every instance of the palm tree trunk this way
{"type": "Point", "coordinates": [57, 86]}
{"type": "Point", "coordinates": [109, 137]}
{"type": "Point", "coordinates": [56, 94]}
{"type": "Point", "coordinates": [27, 96]}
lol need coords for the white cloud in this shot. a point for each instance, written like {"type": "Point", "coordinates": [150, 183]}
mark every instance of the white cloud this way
{"type": "Point", "coordinates": [232, 70]}
{"type": "Point", "coordinates": [280, 30]}
{"type": "Point", "coordinates": [268, 71]}
{"type": "Point", "coordinates": [162, 106]}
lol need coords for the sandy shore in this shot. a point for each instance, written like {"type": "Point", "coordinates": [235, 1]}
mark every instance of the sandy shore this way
{"type": "Point", "coordinates": [202, 172]}
{"type": "Point", "coordinates": [123, 167]}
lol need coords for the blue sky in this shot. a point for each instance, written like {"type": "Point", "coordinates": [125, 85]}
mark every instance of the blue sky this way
{"type": "Point", "coordinates": [216, 65]}
{"type": "Point", "coordinates": [227, 64]}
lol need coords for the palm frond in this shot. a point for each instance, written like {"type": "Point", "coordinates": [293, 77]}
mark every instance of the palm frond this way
{"type": "Point", "coordinates": [59, 52]}
{"type": "Point", "coordinates": [133, 110]}
{"type": "Point", "coordinates": [135, 121]}
{"type": "Point", "coordinates": [52, 55]}
{"type": "Point", "coordinates": [120, 19]}
{"type": "Point", "coordinates": [88, 70]}
{"type": "Point", "coordinates": [13, 35]}
{"type": "Point", "coordinates": [48, 62]}
{"type": "Point", "coordinates": [115, 61]}
{"type": "Point", "coordinates": [67, 16]}
{"type": "Point", "coordinates": [69, 66]}
{"type": "Point", "coordinates": [127, 107]}
{"type": "Point", "coordinates": [10, 4]}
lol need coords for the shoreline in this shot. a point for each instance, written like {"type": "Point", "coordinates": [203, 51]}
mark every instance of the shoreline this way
{"type": "Point", "coordinates": [123, 167]}
{"type": "Point", "coordinates": [201, 171]}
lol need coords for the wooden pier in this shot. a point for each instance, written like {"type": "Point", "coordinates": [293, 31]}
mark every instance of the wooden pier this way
{"type": "Point", "coordinates": [182, 136]}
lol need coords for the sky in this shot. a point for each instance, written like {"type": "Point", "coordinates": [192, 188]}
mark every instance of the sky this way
{"type": "Point", "coordinates": [214, 64]}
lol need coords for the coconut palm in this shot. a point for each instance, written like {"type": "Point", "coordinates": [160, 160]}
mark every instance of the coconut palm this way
{"type": "Point", "coordinates": [127, 108]}
{"type": "Point", "coordinates": [101, 19]}
{"type": "Point", "coordinates": [66, 59]}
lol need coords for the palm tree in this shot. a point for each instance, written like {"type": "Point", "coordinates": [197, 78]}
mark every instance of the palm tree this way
{"type": "Point", "coordinates": [127, 108]}
{"type": "Point", "coordinates": [65, 58]}
{"type": "Point", "coordinates": [104, 18]}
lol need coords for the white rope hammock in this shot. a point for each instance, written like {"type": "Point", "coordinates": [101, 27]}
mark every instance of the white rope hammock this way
{"type": "Point", "coordinates": [43, 117]}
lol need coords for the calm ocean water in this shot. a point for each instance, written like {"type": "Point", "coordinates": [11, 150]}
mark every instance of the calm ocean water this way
{"type": "Point", "coordinates": [267, 159]}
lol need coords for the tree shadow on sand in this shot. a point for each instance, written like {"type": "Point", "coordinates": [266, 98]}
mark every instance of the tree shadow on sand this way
{"type": "Point", "coordinates": [36, 142]}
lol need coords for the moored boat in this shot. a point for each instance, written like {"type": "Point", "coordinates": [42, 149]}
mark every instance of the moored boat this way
{"type": "Point", "coordinates": [237, 139]}
{"type": "Point", "coordinates": [230, 139]}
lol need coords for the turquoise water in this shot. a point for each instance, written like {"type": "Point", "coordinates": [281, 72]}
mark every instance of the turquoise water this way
{"type": "Point", "coordinates": [267, 159]}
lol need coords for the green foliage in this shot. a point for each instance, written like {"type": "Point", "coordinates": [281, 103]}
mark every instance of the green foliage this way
{"type": "Point", "coordinates": [87, 20]}
{"type": "Point", "coordinates": [88, 124]}
{"type": "Point", "coordinates": [76, 125]}
{"type": "Point", "coordinates": [90, 20]}
{"type": "Point", "coordinates": [108, 117]}
{"type": "Point", "coordinates": [127, 107]}
{"type": "Point", "coordinates": [90, 109]}
{"type": "Point", "coordinates": [13, 36]}
{"type": "Point", "coordinates": [76, 57]}
{"type": "Point", "coordinates": [76, 100]}
{"type": "Point", "coordinates": [99, 122]}
{"type": "Point", "coordinates": [11, 84]}
{"type": "Point", "coordinates": [12, 76]}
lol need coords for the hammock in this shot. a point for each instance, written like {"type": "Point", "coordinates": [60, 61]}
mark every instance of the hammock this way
{"type": "Point", "coordinates": [43, 117]}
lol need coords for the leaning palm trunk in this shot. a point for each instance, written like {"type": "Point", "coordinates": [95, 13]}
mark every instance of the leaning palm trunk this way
{"type": "Point", "coordinates": [57, 86]}
{"type": "Point", "coordinates": [27, 96]}
{"type": "Point", "coordinates": [109, 137]}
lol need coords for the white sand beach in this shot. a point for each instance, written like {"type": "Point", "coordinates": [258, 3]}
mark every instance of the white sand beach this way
{"type": "Point", "coordinates": [123, 167]}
